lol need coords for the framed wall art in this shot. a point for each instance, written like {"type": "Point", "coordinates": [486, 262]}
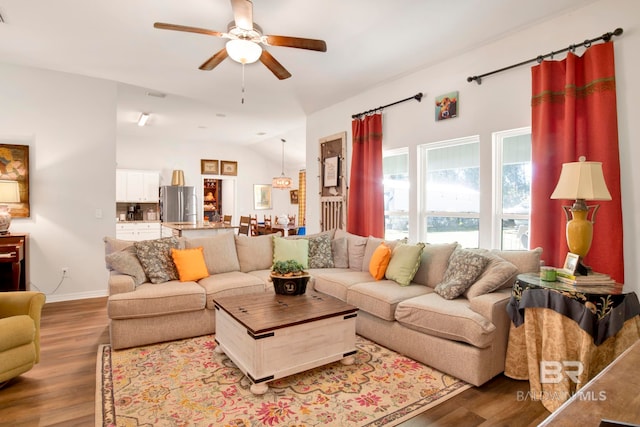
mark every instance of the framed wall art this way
{"type": "Point", "coordinates": [293, 196]}
{"type": "Point", "coordinates": [261, 196]}
{"type": "Point", "coordinates": [447, 106]}
{"type": "Point", "coordinates": [228, 167]}
{"type": "Point", "coordinates": [14, 166]}
{"type": "Point", "coordinates": [209, 167]}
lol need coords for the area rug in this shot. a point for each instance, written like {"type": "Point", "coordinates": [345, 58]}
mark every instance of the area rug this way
{"type": "Point", "coordinates": [185, 383]}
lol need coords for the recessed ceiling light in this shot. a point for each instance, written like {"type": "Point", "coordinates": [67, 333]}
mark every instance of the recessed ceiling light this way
{"type": "Point", "coordinates": [142, 120]}
{"type": "Point", "coordinates": [157, 94]}
{"type": "Point", "coordinates": [222, 115]}
{"type": "Point", "coordinates": [261, 133]}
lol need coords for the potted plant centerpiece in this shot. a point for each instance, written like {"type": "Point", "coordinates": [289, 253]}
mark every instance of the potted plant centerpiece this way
{"type": "Point", "coordinates": [289, 277]}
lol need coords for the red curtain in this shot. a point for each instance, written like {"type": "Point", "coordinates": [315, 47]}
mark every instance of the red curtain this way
{"type": "Point", "coordinates": [573, 115]}
{"type": "Point", "coordinates": [366, 191]}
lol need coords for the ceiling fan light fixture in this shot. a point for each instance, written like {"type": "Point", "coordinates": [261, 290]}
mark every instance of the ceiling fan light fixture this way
{"type": "Point", "coordinates": [244, 51]}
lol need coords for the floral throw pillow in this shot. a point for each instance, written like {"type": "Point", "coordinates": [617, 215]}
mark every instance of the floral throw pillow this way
{"type": "Point", "coordinates": [320, 254]}
{"type": "Point", "coordinates": [463, 270]}
{"type": "Point", "coordinates": [155, 257]}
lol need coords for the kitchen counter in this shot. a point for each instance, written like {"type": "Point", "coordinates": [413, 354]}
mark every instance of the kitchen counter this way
{"type": "Point", "coordinates": [198, 229]}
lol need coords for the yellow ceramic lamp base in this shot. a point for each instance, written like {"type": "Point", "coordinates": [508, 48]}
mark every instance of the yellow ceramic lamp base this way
{"type": "Point", "coordinates": [579, 233]}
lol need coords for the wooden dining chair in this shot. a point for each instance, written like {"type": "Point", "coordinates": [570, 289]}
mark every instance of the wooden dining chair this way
{"type": "Point", "coordinates": [245, 225]}
{"type": "Point", "coordinates": [226, 219]}
{"type": "Point", "coordinates": [254, 225]}
{"type": "Point", "coordinates": [267, 225]}
{"type": "Point", "coordinates": [292, 222]}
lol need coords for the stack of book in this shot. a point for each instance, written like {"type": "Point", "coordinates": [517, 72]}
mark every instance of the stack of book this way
{"type": "Point", "coordinates": [592, 279]}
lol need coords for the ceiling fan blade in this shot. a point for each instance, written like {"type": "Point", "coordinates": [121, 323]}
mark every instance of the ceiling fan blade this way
{"type": "Point", "coordinates": [243, 14]}
{"type": "Point", "coordinates": [272, 64]}
{"type": "Point", "coordinates": [297, 42]}
{"type": "Point", "coordinates": [216, 59]}
{"type": "Point", "coordinates": [164, 26]}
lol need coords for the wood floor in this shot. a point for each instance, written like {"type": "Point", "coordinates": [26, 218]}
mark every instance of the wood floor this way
{"type": "Point", "coordinates": [60, 390]}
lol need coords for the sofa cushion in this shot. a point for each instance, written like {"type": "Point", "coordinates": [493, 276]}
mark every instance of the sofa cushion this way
{"type": "Point", "coordinates": [498, 274]}
{"type": "Point", "coordinates": [254, 253]}
{"type": "Point", "coordinates": [220, 254]}
{"type": "Point", "coordinates": [190, 263]}
{"type": "Point", "coordinates": [405, 261]}
{"type": "Point", "coordinates": [433, 264]}
{"type": "Point", "coordinates": [525, 261]}
{"type": "Point", "coordinates": [379, 261]}
{"type": "Point", "coordinates": [449, 319]}
{"type": "Point", "coordinates": [320, 254]}
{"type": "Point", "coordinates": [337, 284]}
{"type": "Point", "coordinates": [464, 268]}
{"type": "Point", "coordinates": [126, 261]}
{"type": "Point", "coordinates": [231, 284]}
{"type": "Point", "coordinates": [355, 246]}
{"type": "Point", "coordinates": [382, 297]}
{"type": "Point", "coordinates": [295, 249]}
{"type": "Point", "coordinates": [149, 300]}
{"type": "Point", "coordinates": [114, 245]}
{"type": "Point", "coordinates": [340, 252]}
{"type": "Point", "coordinates": [155, 257]}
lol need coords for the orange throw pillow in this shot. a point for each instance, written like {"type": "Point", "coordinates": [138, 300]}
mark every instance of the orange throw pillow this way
{"type": "Point", "coordinates": [379, 261]}
{"type": "Point", "coordinates": [190, 263]}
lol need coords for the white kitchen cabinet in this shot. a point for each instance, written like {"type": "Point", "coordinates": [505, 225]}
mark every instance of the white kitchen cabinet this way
{"type": "Point", "coordinates": [138, 231]}
{"type": "Point", "coordinates": [137, 186]}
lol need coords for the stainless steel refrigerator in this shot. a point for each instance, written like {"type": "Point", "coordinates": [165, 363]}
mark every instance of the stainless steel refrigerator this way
{"type": "Point", "coordinates": [177, 204]}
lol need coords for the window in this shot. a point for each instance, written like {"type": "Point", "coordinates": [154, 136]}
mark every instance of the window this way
{"type": "Point", "coordinates": [512, 188]}
{"type": "Point", "coordinates": [395, 168]}
{"type": "Point", "coordinates": [450, 193]}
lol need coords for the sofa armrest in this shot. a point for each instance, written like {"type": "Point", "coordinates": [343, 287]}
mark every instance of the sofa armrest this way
{"type": "Point", "coordinates": [120, 283]}
{"type": "Point", "coordinates": [492, 305]}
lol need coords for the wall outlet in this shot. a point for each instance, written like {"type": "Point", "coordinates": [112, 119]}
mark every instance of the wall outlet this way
{"type": "Point", "coordinates": [65, 271]}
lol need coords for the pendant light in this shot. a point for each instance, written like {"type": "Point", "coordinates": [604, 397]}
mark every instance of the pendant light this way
{"type": "Point", "coordinates": [282, 182]}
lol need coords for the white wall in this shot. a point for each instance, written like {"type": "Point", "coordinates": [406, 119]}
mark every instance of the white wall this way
{"type": "Point", "coordinates": [167, 155]}
{"type": "Point", "coordinates": [69, 124]}
{"type": "Point", "coordinates": [501, 102]}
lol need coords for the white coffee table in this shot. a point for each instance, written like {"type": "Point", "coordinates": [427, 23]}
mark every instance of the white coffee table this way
{"type": "Point", "coordinates": [271, 336]}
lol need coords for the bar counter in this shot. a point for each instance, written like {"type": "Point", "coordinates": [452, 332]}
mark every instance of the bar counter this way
{"type": "Point", "coordinates": [198, 229]}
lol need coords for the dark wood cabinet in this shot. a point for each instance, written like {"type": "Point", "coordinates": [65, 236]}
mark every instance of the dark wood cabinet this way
{"type": "Point", "coordinates": [211, 198]}
{"type": "Point", "coordinates": [14, 262]}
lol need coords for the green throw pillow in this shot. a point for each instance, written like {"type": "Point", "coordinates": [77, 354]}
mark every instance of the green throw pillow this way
{"type": "Point", "coordinates": [295, 249]}
{"type": "Point", "coordinates": [405, 261]}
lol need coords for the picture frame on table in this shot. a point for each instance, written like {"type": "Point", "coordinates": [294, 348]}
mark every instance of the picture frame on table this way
{"type": "Point", "coordinates": [209, 167]}
{"type": "Point", "coordinates": [228, 167]}
{"type": "Point", "coordinates": [570, 263]}
{"type": "Point", "coordinates": [261, 196]}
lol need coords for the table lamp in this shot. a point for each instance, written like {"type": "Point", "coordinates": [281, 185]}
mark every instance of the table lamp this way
{"type": "Point", "coordinates": [9, 193]}
{"type": "Point", "coordinates": [581, 181]}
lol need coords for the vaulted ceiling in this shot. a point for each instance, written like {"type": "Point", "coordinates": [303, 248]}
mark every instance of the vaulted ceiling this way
{"type": "Point", "coordinates": [368, 42]}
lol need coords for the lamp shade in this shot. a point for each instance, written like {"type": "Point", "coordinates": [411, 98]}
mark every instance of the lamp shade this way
{"type": "Point", "coordinates": [243, 51]}
{"type": "Point", "coordinates": [281, 182]}
{"type": "Point", "coordinates": [9, 192]}
{"type": "Point", "coordinates": [581, 180]}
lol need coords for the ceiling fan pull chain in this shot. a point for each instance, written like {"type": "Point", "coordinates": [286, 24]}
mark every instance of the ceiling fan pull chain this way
{"type": "Point", "coordinates": [243, 82]}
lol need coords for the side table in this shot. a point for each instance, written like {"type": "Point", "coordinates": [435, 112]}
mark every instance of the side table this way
{"type": "Point", "coordinates": [561, 335]}
{"type": "Point", "coordinates": [14, 262]}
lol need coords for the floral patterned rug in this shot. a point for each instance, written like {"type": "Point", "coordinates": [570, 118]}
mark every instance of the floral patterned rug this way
{"type": "Point", "coordinates": [185, 383]}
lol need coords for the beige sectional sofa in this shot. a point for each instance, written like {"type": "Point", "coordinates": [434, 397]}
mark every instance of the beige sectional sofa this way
{"type": "Point", "coordinates": [464, 336]}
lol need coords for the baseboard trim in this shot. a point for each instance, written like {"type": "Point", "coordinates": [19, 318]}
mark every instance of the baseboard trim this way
{"type": "Point", "coordinates": [76, 296]}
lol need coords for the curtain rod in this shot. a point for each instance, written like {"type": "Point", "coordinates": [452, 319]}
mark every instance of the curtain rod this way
{"type": "Point", "coordinates": [417, 97]}
{"type": "Point", "coordinates": [587, 43]}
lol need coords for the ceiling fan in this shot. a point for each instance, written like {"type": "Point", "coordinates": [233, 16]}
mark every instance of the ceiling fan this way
{"type": "Point", "coordinates": [245, 40]}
